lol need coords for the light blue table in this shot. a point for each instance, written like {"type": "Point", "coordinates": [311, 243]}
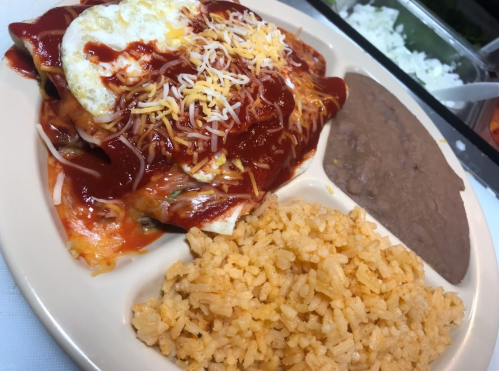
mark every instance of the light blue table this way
{"type": "Point", "coordinates": [24, 343]}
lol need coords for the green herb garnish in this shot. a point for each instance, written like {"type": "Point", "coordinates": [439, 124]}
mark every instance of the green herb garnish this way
{"type": "Point", "coordinates": [175, 194]}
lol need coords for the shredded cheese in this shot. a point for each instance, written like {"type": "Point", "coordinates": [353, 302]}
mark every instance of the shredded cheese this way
{"type": "Point", "coordinates": [52, 69]}
{"type": "Point", "coordinates": [238, 164]}
{"type": "Point", "coordinates": [199, 165]}
{"type": "Point", "coordinates": [142, 166]}
{"type": "Point", "coordinates": [71, 10]}
{"type": "Point", "coordinates": [253, 182]}
{"type": "Point", "coordinates": [182, 141]}
{"type": "Point", "coordinates": [121, 19]}
{"type": "Point", "coordinates": [59, 157]}
{"type": "Point", "coordinates": [260, 44]}
{"type": "Point", "coordinates": [206, 193]}
{"type": "Point", "coordinates": [57, 192]}
{"type": "Point", "coordinates": [197, 109]}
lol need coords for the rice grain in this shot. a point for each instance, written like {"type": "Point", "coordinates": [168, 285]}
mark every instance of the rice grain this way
{"type": "Point", "coordinates": [299, 287]}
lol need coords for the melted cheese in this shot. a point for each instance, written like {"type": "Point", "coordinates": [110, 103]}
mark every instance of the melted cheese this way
{"type": "Point", "coordinates": [258, 44]}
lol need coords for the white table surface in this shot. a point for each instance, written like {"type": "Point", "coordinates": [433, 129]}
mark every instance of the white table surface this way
{"type": "Point", "coordinates": [24, 343]}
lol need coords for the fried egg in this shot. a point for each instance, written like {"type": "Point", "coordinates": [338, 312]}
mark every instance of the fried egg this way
{"type": "Point", "coordinates": [159, 21]}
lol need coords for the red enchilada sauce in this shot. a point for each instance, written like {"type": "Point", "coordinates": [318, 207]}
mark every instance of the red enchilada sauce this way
{"type": "Point", "coordinates": [45, 34]}
{"type": "Point", "coordinates": [261, 136]}
{"type": "Point", "coordinates": [21, 62]}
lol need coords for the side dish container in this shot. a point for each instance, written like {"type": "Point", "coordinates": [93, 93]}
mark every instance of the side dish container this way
{"type": "Point", "coordinates": [426, 33]}
{"type": "Point", "coordinates": [466, 129]}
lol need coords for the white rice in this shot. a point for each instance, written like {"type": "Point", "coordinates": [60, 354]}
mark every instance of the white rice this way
{"type": "Point", "coordinates": [377, 25]}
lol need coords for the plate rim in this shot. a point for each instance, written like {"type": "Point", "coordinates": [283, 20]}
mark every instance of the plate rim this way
{"type": "Point", "coordinates": [42, 309]}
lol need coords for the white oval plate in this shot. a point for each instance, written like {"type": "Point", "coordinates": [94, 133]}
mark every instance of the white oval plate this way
{"type": "Point", "coordinates": [90, 317]}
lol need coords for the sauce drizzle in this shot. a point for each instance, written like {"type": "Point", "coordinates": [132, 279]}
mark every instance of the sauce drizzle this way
{"type": "Point", "coordinates": [21, 62]}
{"type": "Point", "coordinates": [266, 140]}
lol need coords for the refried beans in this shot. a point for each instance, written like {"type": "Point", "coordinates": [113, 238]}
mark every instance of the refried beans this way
{"type": "Point", "coordinates": [387, 162]}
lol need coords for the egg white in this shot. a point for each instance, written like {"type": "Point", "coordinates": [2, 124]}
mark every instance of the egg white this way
{"type": "Point", "coordinates": [117, 26]}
